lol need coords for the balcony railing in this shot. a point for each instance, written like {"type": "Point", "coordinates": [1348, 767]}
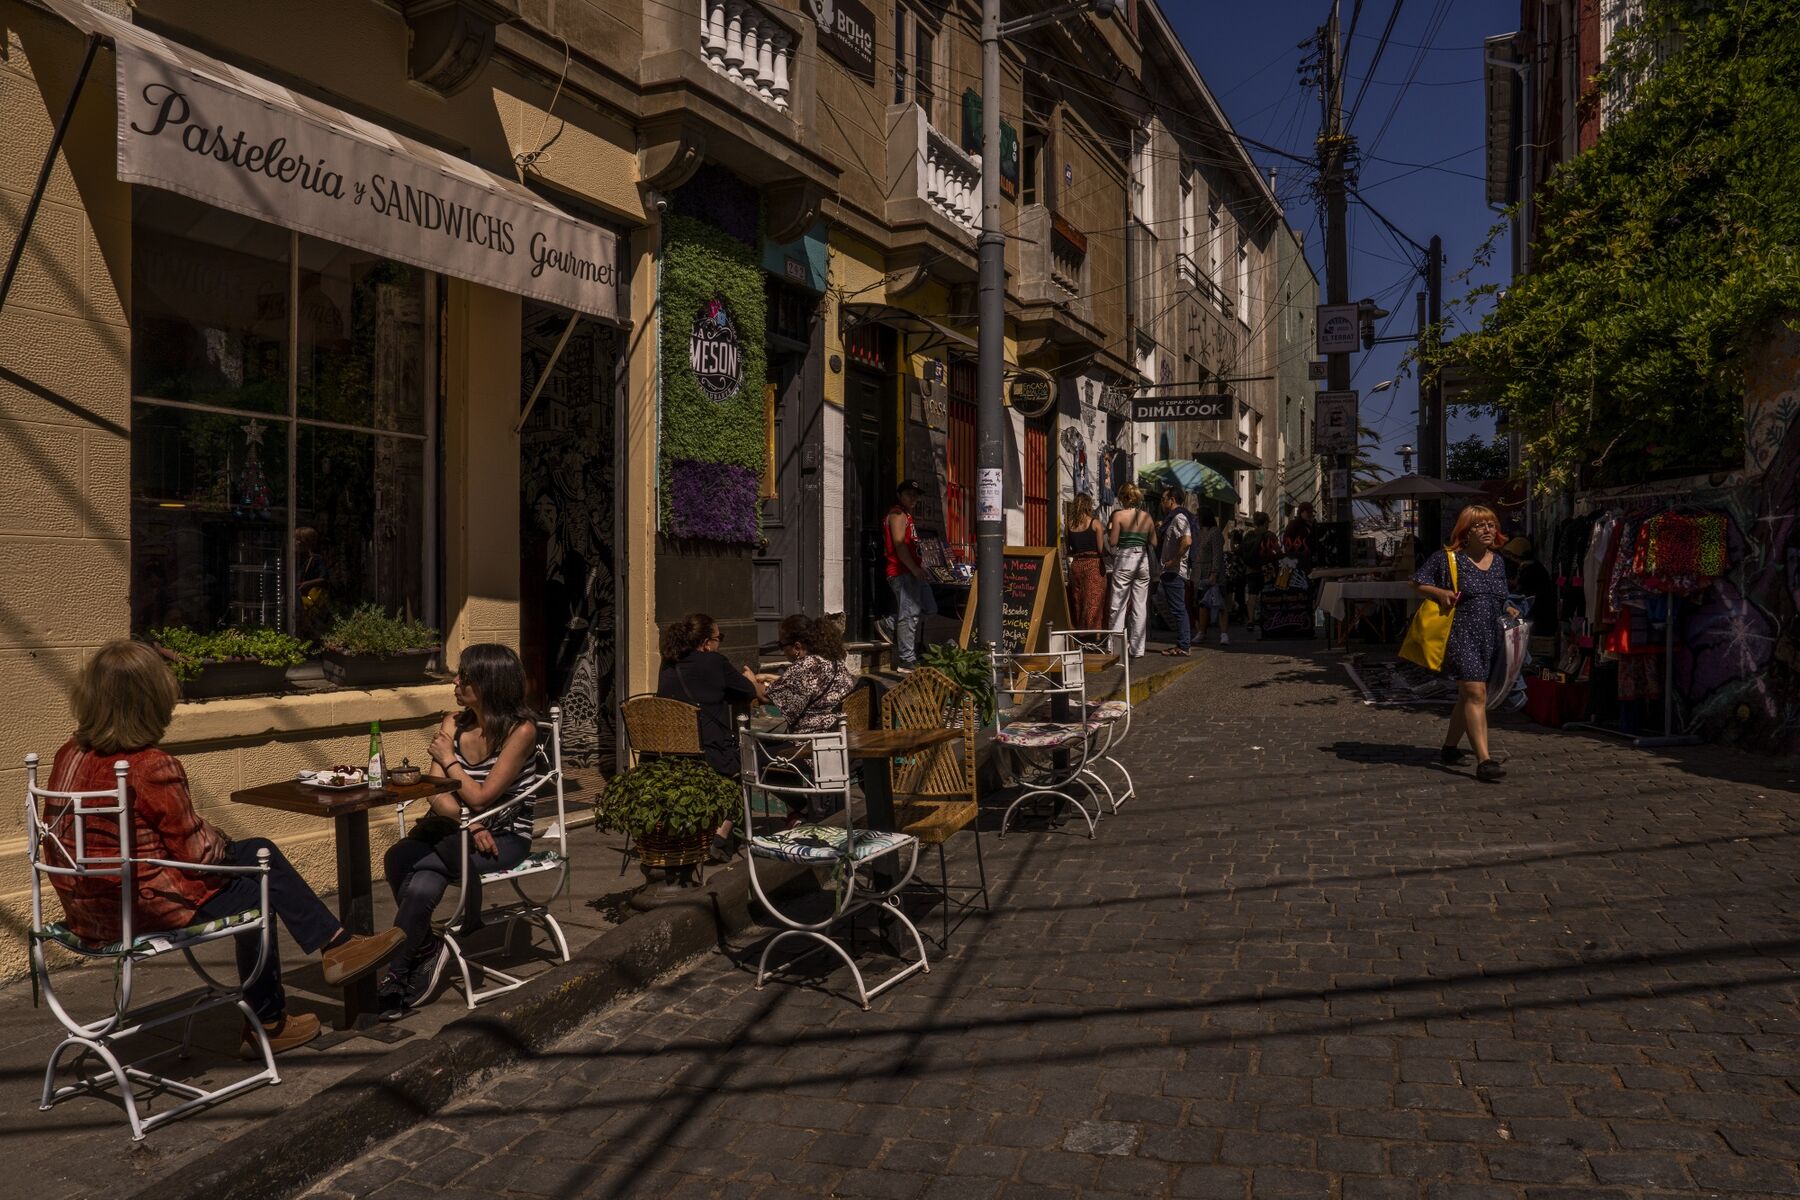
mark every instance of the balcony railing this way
{"type": "Point", "coordinates": [951, 179]}
{"type": "Point", "coordinates": [749, 47]}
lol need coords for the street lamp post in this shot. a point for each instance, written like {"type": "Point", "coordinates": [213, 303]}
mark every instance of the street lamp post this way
{"type": "Point", "coordinates": [990, 413]}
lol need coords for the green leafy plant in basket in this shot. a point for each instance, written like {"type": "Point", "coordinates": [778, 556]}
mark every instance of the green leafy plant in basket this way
{"type": "Point", "coordinates": [671, 796]}
{"type": "Point", "coordinates": [370, 629]}
{"type": "Point", "coordinates": [970, 670]}
{"type": "Point", "coordinates": [189, 650]}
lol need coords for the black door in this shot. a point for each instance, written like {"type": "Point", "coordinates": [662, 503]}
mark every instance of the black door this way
{"type": "Point", "coordinates": [785, 573]}
{"type": "Point", "coordinates": [868, 494]}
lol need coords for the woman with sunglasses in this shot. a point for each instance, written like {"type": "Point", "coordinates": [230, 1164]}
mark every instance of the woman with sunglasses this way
{"type": "Point", "coordinates": [1475, 601]}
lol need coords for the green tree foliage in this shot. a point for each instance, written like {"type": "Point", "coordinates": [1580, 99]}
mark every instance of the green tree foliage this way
{"type": "Point", "coordinates": [1472, 460]}
{"type": "Point", "coordinates": [1662, 253]}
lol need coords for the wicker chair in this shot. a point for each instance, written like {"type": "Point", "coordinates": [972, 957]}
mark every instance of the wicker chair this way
{"type": "Point", "coordinates": [859, 706]}
{"type": "Point", "coordinates": [935, 793]}
{"type": "Point", "coordinates": [657, 725]}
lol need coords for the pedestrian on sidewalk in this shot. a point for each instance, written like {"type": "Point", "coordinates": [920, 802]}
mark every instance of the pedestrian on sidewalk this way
{"type": "Point", "coordinates": [123, 701]}
{"type": "Point", "coordinates": [1087, 577]}
{"type": "Point", "coordinates": [1235, 576]}
{"type": "Point", "coordinates": [1130, 534]}
{"type": "Point", "coordinates": [906, 576]}
{"type": "Point", "coordinates": [1261, 554]}
{"type": "Point", "coordinates": [1176, 538]}
{"type": "Point", "coordinates": [1475, 600]}
{"type": "Point", "coordinates": [1207, 564]}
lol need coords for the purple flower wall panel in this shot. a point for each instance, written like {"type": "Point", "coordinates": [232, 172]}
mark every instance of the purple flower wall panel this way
{"type": "Point", "coordinates": [716, 502]}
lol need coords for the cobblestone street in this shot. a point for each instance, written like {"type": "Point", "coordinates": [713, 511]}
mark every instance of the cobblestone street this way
{"type": "Point", "coordinates": [1305, 961]}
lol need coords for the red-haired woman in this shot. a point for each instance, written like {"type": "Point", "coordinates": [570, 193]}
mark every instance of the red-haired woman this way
{"type": "Point", "coordinates": [1477, 602]}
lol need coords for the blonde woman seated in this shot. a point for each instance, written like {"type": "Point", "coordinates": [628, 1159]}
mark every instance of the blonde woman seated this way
{"type": "Point", "coordinates": [123, 701]}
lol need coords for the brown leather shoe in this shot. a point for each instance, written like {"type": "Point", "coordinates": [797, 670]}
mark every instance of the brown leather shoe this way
{"type": "Point", "coordinates": [359, 955]}
{"type": "Point", "coordinates": [291, 1032]}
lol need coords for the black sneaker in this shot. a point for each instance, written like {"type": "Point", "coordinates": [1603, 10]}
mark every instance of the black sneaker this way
{"type": "Point", "coordinates": [1453, 756]}
{"type": "Point", "coordinates": [1489, 771]}
{"type": "Point", "coordinates": [421, 982]}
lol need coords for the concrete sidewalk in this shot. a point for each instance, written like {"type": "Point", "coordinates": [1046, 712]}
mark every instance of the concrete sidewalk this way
{"type": "Point", "coordinates": [377, 1078]}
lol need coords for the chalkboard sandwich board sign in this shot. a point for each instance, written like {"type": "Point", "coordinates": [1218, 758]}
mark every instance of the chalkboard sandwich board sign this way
{"type": "Point", "coordinates": [1287, 612]}
{"type": "Point", "coordinates": [1033, 600]}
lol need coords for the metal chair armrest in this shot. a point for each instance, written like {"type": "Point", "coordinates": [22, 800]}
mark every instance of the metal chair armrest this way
{"type": "Point", "coordinates": [208, 868]}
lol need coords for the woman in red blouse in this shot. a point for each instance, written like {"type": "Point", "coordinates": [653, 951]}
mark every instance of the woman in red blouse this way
{"type": "Point", "coordinates": [123, 701]}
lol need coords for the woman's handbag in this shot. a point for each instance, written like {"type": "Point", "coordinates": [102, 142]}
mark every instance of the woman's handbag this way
{"type": "Point", "coordinates": [1429, 632]}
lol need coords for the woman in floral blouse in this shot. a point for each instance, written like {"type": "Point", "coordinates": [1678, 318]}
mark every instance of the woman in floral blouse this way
{"type": "Point", "coordinates": [810, 693]}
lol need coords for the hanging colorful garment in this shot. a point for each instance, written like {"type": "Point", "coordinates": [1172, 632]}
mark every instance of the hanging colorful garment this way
{"type": "Point", "coordinates": [1681, 552]}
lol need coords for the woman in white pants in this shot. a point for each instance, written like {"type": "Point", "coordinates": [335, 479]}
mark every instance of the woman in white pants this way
{"type": "Point", "coordinates": [1131, 534]}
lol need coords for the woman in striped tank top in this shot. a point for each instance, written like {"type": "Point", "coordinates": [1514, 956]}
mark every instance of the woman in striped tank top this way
{"type": "Point", "coordinates": [489, 748]}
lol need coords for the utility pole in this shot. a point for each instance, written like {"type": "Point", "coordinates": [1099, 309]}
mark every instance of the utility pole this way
{"type": "Point", "coordinates": [1431, 394]}
{"type": "Point", "coordinates": [990, 413]}
{"type": "Point", "coordinates": [1334, 145]}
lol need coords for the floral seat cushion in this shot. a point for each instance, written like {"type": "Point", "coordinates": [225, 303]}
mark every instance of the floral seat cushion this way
{"type": "Point", "coordinates": [1108, 711]}
{"type": "Point", "coordinates": [825, 844]}
{"type": "Point", "coordinates": [1039, 735]}
{"type": "Point", "coordinates": [531, 864]}
{"type": "Point", "coordinates": [145, 945]}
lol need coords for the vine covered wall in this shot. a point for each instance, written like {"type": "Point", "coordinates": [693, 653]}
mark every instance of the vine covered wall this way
{"type": "Point", "coordinates": [712, 450]}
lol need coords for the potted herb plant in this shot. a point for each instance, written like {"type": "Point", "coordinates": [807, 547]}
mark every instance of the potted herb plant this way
{"type": "Point", "coordinates": [669, 807]}
{"type": "Point", "coordinates": [368, 647]}
{"type": "Point", "coordinates": [971, 670]}
{"type": "Point", "coordinates": [229, 662]}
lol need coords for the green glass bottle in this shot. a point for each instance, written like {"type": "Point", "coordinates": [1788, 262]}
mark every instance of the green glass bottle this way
{"type": "Point", "coordinates": [377, 763]}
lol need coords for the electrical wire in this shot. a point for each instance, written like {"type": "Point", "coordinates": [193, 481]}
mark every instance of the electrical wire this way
{"type": "Point", "coordinates": [1374, 61]}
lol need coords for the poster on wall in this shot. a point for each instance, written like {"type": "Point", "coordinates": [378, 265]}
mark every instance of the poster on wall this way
{"type": "Point", "coordinates": [847, 31]}
{"type": "Point", "coordinates": [713, 352]}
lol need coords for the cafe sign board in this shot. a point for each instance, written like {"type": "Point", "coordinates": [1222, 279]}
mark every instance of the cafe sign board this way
{"type": "Point", "coordinates": [713, 352]}
{"type": "Point", "coordinates": [1181, 408]}
{"type": "Point", "coordinates": [1032, 393]}
{"type": "Point", "coordinates": [1339, 329]}
{"type": "Point", "coordinates": [847, 31]}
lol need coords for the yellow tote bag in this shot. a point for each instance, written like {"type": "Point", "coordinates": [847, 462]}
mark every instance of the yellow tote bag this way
{"type": "Point", "coordinates": [1430, 629]}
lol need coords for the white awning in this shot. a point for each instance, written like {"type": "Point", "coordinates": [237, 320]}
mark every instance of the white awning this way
{"type": "Point", "coordinates": [194, 125]}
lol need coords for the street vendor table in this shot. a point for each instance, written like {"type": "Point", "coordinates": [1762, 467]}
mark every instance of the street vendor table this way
{"type": "Point", "coordinates": [1341, 599]}
{"type": "Point", "coordinates": [350, 811]}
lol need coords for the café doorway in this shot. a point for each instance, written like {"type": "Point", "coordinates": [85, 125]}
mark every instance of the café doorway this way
{"type": "Point", "coordinates": [567, 584]}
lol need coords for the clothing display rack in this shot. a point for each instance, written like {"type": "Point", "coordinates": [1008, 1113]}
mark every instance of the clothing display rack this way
{"type": "Point", "coordinates": [1670, 736]}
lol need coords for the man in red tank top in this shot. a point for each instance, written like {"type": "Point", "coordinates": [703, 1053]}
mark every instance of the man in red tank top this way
{"type": "Point", "coordinates": [906, 576]}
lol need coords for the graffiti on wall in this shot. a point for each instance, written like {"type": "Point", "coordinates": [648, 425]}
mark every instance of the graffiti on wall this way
{"type": "Point", "coordinates": [1738, 669]}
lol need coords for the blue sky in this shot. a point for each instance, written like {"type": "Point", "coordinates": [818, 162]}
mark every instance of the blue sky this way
{"type": "Point", "coordinates": [1249, 57]}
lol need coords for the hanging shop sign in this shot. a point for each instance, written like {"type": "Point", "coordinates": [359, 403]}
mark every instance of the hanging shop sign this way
{"type": "Point", "coordinates": [1032, 393]}
{"type": "Point", "coordinates": [713, 352]}
{"type": "Point", "coordinates": [1181, 408]}
{"type": "Point", "coordinates": [1335, 422]}
{"type": "Point", "coordinates": [1339, 331]}
{"type": "Point", "coordinates": [847, 30]}
{"type": "Point", "coordinates": [227, 138]}
{"type": "Point", "coordinates": [1009, 143]}
{"type": "Point", "coordinates": [1116, 398]}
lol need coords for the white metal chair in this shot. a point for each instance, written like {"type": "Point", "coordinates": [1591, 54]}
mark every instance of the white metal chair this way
{"type": "Point", "coordinates": [1114, 715]}
{"type": "Point", "coordinates": [462, 923]}
{"type": "Point", "coordinates": [815, 768]}
{"type": "Point", "coordinates": [87, 835]}
{"type": "Point", "coordinates": [1053, 752]}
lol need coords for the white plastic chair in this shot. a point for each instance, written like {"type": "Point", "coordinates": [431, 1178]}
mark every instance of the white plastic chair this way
{"type": "Point", "coordinates": [87, 835]}
{"type": "Point", "coordinates": [538, 862]}
{"type": "Point", "coordinates": [1114, 715]}
{"type": "Point", "coordinates": [1056, 753]}
{"type": "Point", "coordinates": [815, 768]}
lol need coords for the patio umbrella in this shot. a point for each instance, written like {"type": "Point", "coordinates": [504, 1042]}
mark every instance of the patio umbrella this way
{"type": "Point", "coordinates": [1196, 478]}
{"type": "Point", "coordinates": [1418, 487]}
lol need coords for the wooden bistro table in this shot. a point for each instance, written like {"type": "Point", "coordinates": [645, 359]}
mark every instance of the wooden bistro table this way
{"type": "Point", "coordinates": [882, 746]}
{"type": "Point", "coordinates": [349, 810]}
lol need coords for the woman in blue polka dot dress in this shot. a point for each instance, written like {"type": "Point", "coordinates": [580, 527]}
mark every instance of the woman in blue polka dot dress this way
{"type": "Point", "coordinates": [1476, 604]}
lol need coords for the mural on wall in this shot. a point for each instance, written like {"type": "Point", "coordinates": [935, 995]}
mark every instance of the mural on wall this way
{"type": "Point", "coordinates": [1739, 670]}
{"type": "Point", "coordinates": [567, 562]}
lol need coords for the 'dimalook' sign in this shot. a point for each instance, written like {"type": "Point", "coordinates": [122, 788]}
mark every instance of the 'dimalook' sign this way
{"type": "Point", "coordinates": [1181, 408]}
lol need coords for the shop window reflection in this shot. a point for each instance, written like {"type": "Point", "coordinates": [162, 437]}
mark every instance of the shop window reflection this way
{"type": "Point", "coordinates": [360, 507]}
{"type": "Point", "coordinates": [362, 326]}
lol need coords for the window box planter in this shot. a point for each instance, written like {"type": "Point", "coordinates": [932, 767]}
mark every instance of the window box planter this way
{"type": "Point", "coordinates": [234, 677]}
{"type": "Point", "coordinates": [398, 669]}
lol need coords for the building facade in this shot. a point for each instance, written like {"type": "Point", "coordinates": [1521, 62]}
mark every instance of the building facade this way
{"type": "Point", "coordinates": [547, 324]}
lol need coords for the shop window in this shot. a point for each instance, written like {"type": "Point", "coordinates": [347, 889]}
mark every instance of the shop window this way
{"type": "Point", "coordinates": [959, 464]}
{"type": "Point", "coordinates": [280, 424]}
